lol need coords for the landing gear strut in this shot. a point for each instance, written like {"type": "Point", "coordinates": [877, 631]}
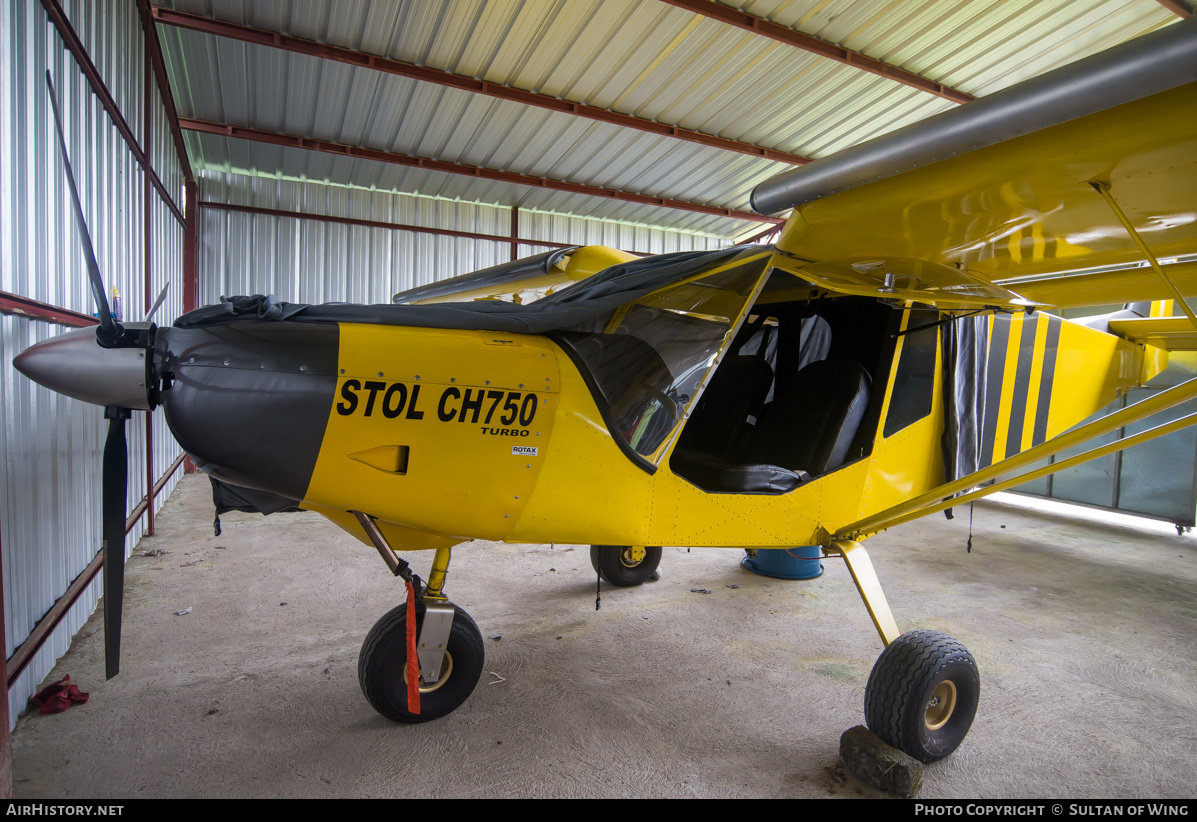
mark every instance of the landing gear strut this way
{"type": "Point", "coordinates": [922, 694]}
{"type": "Point", "coordinates": [448, 646]}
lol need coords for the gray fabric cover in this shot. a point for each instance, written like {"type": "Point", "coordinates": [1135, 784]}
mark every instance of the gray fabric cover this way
{"type": "Point", "coordinates": [965, 359]}
{"type": "Point", "coordinates": [228, 497]}
{"type": "Point", "coordinates": [569, 308]}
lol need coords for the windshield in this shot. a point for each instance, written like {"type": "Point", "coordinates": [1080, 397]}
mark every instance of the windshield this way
{"type": "Point", "coordinates": [649, 360]}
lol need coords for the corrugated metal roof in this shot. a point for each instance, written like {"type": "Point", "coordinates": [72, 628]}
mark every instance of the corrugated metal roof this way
{"type": "Point", "coordinates": [225, 154]}
{"type": "Point", "coordinates": [639, 57]}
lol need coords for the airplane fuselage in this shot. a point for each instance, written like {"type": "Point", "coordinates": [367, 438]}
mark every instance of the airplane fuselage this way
{"type": "Point", "coordinates": [448, 435]}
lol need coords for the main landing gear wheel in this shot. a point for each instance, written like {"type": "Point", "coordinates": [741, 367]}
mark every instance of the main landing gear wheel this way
{"type": "Point", "coordinates": [619, 565]}
{"type": "Point", "coordinates": [922, 694]}
{"type": "Point", "coordinates": [382, 667]}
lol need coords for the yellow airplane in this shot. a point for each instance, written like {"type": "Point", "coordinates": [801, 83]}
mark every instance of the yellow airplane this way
{"type": "Point", "coordinates": [886, 359]}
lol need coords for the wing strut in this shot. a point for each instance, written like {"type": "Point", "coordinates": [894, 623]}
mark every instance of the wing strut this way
{"type": "Point", "coordinates": [1104, 190]}
{"type": "Point", "coordinates": [941, 497]}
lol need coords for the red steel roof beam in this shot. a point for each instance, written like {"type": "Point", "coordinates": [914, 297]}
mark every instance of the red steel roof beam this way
{"type": "Point", "coordinates": [297, 45]}
{"type": "Point", "coordinates": [1177, 7]}
{"type": "Point", "coordinates": [419, 229]}
{"type": "Point", "coordinates": [75, 46]}
{"type": "Point", "coordinates": [273, 138]}
{"type": "Point", "coordinates": [355, 221]}
{"type": "Point", "coordinates": [154, 47]}
{"type": "Point", "coordinates": [35, 309]}
{"type": "Point", "coordinates": [783, 34]}
{"type": "Point", "coordinates": [760, 236]}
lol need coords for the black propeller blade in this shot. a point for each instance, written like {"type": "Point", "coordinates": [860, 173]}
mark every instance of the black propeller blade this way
{"type": "Point", "coordinates": [110, 330]}
{"type": "Point", "coordinates": [115, 479]}
{"type": "Point", "coordinates": [115, 488]}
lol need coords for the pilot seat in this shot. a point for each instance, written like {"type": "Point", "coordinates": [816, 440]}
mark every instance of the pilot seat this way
{"type": "Point", "coordinates": [806, 431]}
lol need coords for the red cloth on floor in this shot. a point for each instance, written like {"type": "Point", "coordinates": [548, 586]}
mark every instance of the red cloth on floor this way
{"type": "Point", "coordinates": [56, 698]}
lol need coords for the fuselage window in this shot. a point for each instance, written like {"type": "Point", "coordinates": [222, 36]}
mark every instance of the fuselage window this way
{"type": "Point", "coordinates": [914, 383]}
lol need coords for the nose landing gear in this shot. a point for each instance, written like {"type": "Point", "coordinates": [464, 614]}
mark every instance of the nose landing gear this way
{"type": "Point", "coordinates": [448, 645]}
{"type": "Point", "coordinates": [382, 666]}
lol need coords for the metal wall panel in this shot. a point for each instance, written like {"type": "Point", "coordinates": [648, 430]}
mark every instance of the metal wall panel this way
{"type": "Point", "coordinates": [167, 268]}
{"type": "Point", "coordinates": [49, 503]}
{"type": "Point", "coordinates": [314, 262]}
{"type": "Point", "coordinates": [1159, 478]}
{"type": "Point", "coordinates": [561, 228]}
{"type": "Point", "coordinates": [110, 31]}
{"type": "Point", "coordinates": [50, 455]}
{"type": "Point", "coordinates": [164, 158]}
{"type": "Point", "coordinates": [1156, 479]}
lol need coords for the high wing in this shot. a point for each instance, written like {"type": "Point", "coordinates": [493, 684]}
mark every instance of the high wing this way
{"type": "Point", "coordinates": [999, 202]}
{"type": "Point", "coordinates": [520, 281]}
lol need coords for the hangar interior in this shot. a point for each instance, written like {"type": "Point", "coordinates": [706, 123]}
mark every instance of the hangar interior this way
{"type": "Point", "coordinates": [344, 152]}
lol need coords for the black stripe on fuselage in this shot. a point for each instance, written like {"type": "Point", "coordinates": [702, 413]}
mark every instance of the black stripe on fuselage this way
{"type": "Point", "coordinates": [1045, 380]}
{"type": "Point", "coordinates": [994, 369]}
{"type": "Point", "coordinates": [1022, 385]}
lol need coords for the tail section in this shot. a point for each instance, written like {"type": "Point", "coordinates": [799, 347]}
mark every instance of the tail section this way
{"type": "Point", "coordinates": [1045, 374]}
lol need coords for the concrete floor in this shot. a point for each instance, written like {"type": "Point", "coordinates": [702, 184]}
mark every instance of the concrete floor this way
{"type": "Point", "coordinates": [1084, 636]}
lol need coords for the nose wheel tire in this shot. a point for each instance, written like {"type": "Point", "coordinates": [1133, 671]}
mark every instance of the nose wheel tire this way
{"type": "Point", "coordinates": [922, 694]}
{"type": "Point", "coordinates": [382, 667]}
{"type": "Point", "coordinates": [620, 565]}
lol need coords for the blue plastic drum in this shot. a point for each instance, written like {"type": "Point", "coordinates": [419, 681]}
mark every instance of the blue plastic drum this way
{"type": "Point", "coordinates": [786, 563]}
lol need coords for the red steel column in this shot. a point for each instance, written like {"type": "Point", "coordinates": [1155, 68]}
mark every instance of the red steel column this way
{"type": "Point", "coordinates": [191, 262]}
{"type": "Point", "coordinates": [191, 247]}
{"type": "Point", "coordinates": [148, 231]}
{"type": "Point", "coordinates": [5, 745]}
{"type": "Point", "coordinates": [515, 232]}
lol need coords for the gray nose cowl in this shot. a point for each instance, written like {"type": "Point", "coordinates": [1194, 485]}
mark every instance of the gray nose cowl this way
{"type": "Point", "coordinates": [250, 400]}
{"type": "Point", "coordinates": [76, 365]}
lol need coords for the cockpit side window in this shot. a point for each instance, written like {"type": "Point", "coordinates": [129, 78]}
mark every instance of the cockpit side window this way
{"type": "Point", "coordinates": [914, 383]}
{"type": "Point", "coordinates": [648, 362]}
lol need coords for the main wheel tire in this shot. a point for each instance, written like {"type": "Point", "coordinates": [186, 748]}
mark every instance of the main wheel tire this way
{"type": "Point", "coordinates": [615, 564]}
{"type": "Point", "coordinates": [382, 667]}
{"type": "Point", "coordinates": [922, 694]}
